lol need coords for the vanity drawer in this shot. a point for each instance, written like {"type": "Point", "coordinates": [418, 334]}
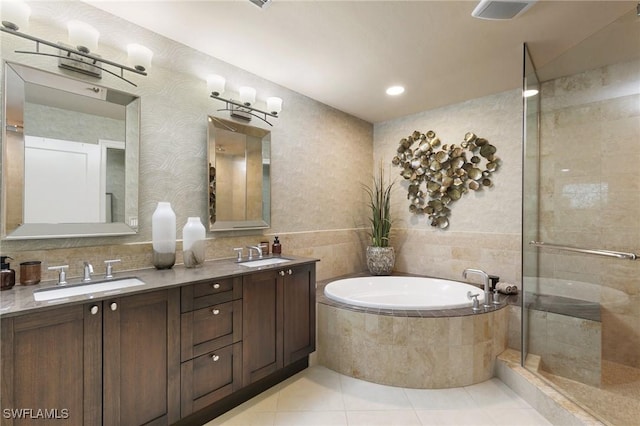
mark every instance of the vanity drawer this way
{"type": "Point", "coordinates": [212, 287]}
{"type": "Point", "coordinates": [210, 377]}
{"type": "Point", "coordinates": [210, 328]}
{"type": "Point", "coordinates": [210, 293]}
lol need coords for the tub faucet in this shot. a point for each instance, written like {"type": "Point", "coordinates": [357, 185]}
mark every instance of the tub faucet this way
{"type": "Point", "coordinates": [487, 285]}
{"type": "Point", "coordinates": [87, 271]}
{"type": "Point", "coordinates": [258, 250]}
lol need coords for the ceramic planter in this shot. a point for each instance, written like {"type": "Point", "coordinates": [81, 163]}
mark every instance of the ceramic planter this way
{"type": "Point", "coordinates": [380, 260]}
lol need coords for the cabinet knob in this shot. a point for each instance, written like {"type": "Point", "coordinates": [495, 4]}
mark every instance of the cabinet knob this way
{"type": "Point", "coordinates": [94, 310]}
{"type": "Point", "coordinates": [289, 272]}
{"type": "Point", "coordinates": [215, 357]}
{"type": "Point", "coordinates": [216, 285]}
{"type": "Point", "coordinates": [281, 273]}
{"type": "Point", "coordinates": [113, 306]}
{"type": "Point", "coordinates": [215, 311]}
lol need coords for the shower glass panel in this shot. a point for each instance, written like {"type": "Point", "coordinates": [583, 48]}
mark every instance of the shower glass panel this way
{"type": "Point", "coordinates": [581, 286]}
{"type": "Point", "coordinates": [531, 177]}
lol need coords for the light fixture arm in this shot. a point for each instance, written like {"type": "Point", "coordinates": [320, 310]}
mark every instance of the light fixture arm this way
{"type": "Point", "coordinates": [96, 60]}
{"type": "Point", "coordinates": [245, 108]}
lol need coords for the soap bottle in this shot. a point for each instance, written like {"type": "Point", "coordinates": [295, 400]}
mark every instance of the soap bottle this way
{"type": "Point", "coordinates": [276, 248]}
{"type": "Point", "coordinates": [7, 275]}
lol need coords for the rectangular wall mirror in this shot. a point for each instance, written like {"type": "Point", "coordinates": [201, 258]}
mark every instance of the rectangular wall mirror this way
{"type": "Point", "coordinates": [239, 176]}
{"type": "Point", "coordinates": [70, 157]}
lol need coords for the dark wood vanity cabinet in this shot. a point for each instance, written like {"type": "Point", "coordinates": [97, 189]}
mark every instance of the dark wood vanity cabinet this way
{"type": "Point", "coordinates": [177, 355]}
{"type": "Point", "coordinates": [279, 319]}
{"type": "Point", "coordinates": [211, 347]}
{"type": "Point", "coordinates": [110, 362]}
{"type": "Point", "coordinates": [299, 293]}
{"type": "Point", "coordinates": [52, 360]}
{"type": "Point", "coordinates": [141, 378]}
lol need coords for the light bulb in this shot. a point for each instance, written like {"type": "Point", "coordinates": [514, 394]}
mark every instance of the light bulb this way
{"type": "Point", "coordinates": [215, 84]}
{"type": "Point", "coordinates": [274, 105]}
{"type": "Point", "coordinates": [247, 95]}
{"type": "Point", "coordinates": [139, 56]}
{"type": "Point", "coordinates": [15, 14]}
{"type": "Point", "coordinates": [83, 36]}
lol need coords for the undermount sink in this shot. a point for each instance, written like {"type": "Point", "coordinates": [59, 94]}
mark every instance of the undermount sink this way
{"type": "Point", "coordinates": [265, 262]}
{"type": "Point", "coordinates": [105, 287]}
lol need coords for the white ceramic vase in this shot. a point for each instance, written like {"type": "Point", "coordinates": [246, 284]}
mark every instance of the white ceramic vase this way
{"type": "Point", "coordinates": [193, 245]}
{"type": "Point", "coordinates": [163, 236]}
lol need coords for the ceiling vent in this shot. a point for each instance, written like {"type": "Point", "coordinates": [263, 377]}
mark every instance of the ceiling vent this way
{"type": "Point", "coordinates": [261, 3]}
{"type": "Point", "coordinates": [501, 9]}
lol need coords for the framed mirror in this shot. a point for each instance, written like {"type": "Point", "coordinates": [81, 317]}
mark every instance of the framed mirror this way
{"type": "Point", "coordinates": [239, 176]}
{"type": "Point", "coordinates": [70, 157]}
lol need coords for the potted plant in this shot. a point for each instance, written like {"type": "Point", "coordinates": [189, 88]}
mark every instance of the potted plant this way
{"type": "Point", "coordinates": [380, 255]}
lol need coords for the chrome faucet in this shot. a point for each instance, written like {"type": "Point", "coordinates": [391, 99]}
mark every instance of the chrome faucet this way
{"type": "Point", "coordinates": [487, 285]}
{"type": "Point", "coordinates": [62, 274]}
{"type": "Point", "coordinates": [108, 274]}
{"type": "Point", "coordinates": [258, 250]}
{"type": "Point", "coordinates": [87, 271]}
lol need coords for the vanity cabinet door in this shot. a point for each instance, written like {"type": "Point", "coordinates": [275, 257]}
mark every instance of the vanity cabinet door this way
{"type": "Point", "coordinates": [210, 377]}
{"type": "Point", "coordinates": [51, 366]}
{"type": "Point", "coordinates": [262, 332]}
{"type": "Point", "coordinates": [299, 289]}
{"type": "Point", "coordinates": [279, 319]}
{"type": "Point", "coordinates": [141, 365]}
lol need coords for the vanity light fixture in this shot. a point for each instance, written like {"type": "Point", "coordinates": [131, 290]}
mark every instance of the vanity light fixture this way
{"type": "Point", "coordinates": [242, 109]}
{"type": "Point", "coordinates": [78, 56]}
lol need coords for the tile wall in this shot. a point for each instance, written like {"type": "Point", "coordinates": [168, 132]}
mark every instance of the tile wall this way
{"type": "Point", "coordinates": [319, 155]}
{"type": "Point", "coordinates": [485, 226]}
{"type": "Point", "coordinates": [590, 195]}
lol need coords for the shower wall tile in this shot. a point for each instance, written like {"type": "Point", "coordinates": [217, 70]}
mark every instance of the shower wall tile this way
{"type": "Point", "coordinates": [590, 194]}
{"type": "Point", "coordinates": [514, 332]}
{"type": "Point", "coordinates": [569, 347]}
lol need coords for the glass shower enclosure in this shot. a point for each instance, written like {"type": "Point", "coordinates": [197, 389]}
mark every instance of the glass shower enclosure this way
{"type": "Point", "coordinates": [581, 222]}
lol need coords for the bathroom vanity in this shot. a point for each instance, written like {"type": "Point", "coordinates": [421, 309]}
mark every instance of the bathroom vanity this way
{"type": "Point", "coordinates": [185, 347]}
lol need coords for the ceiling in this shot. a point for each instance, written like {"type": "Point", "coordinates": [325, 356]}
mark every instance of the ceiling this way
{"type": "Point", "coordinates": [346, 53]}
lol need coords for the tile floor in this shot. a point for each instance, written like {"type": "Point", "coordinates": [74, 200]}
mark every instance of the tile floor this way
{"type": "Point", "coordinates": [319, 396]}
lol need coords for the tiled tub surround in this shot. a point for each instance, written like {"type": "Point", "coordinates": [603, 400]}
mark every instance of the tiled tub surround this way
{"type": "Point", "coordinates": [416, 349]}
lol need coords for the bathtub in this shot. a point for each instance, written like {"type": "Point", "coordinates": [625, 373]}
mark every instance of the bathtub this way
{"type": "Point", "coordinates": [414, 332]}
{"type": "Point", "coordinates": [399, 292]}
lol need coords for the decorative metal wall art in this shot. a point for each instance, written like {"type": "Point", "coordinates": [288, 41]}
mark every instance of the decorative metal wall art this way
{"type": "Point", "coordinates": [439, 174]}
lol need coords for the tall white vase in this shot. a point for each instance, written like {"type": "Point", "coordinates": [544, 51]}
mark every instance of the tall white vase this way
{"type": "Point", "coordinates": [163, 235]}
{"type": "Point", "coordinates": [193, 236]}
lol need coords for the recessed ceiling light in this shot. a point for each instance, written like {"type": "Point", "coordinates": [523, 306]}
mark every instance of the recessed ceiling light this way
{"type": "Point", "coordinates": [395, 90]}
{"type": "Point", "coordinates": [530, 92]}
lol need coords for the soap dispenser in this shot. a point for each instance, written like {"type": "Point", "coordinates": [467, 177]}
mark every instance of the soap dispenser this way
{"type": "Point", "coordinates": [7, 275]}
{"type": "Point", "coordinates": [276, 248]}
